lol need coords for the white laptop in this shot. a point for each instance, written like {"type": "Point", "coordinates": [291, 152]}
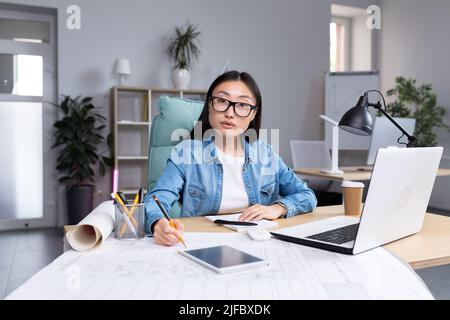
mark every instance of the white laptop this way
{"type": "Point", "coordinates": [395, 205]}
{"type": "Point", "coordinates": [385, 134]}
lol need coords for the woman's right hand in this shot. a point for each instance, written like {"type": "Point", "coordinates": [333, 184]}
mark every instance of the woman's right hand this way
{"type": "Point", "coordinates": [165, 234]}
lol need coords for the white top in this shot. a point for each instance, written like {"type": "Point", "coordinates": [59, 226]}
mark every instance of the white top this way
{"type": "Point", "coordinates": [234, 195]}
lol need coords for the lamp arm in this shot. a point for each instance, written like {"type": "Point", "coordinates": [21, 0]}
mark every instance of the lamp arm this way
{"type": "Point", "coordinates": [329, 120]}
{"type": "Point", "coordinates": [411, 138]}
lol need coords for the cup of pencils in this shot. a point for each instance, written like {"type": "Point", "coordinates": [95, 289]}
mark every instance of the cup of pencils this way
{"type": "Point", "coordinates": [129, 217]}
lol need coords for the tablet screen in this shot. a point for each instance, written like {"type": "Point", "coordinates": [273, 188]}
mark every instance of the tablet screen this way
{"type": "Point", "coordinates": [222, 256]}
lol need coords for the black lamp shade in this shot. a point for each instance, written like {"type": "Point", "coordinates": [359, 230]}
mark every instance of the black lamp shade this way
{"type": "Point", "coordinates": [358, 120]}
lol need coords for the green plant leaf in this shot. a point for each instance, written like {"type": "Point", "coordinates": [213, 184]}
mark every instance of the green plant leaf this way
{"type": "Point", "coordinates": [78, 137]}
{"type": "Point", "coordinates": [418, 102]}
{"type": "Point", "coordinates": [86, 100]}
{"type": "Point", "coordinates": [109, 140]}
{"type": "Point", "coordinates": [108, 161]}
{"type": "Point", "coordinates": [182, 47]}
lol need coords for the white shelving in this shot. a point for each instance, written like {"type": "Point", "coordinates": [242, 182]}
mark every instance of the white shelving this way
{"type": "Point", "coordinates": [131, 116]}
{"type": "Point", "coordinates": [132, 158]}
{"type": "Point", "coordinates": [131, 123]}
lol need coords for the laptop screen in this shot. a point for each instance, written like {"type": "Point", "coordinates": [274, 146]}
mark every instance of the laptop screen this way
{"type": "Point", "coordinates": [386, 134]}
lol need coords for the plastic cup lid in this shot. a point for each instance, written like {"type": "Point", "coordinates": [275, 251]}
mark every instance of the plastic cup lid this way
{"type": "Point", "coordinates": [352, 184]}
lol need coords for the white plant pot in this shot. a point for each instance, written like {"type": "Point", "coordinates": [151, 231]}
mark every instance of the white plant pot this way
{"type": "Point", "coordinates": [181, 78]}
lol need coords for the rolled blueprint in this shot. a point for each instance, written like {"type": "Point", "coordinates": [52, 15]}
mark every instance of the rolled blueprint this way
{"type": "Point", "coordinates": [93, 229]}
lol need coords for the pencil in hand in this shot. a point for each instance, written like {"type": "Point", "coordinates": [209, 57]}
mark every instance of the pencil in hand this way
{"type": "Point", "coordinates": [166, 215]}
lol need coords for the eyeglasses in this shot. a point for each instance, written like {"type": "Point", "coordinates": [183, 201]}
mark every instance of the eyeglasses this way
{"type": "Point", "coordinates": [241, 109]}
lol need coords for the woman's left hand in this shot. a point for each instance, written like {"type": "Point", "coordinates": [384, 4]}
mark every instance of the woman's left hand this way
{"type": "Point", "coordinates": [258, 212]}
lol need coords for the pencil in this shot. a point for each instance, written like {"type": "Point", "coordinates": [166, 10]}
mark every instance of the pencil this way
{"type": "Point", "coordinates": [125, 213]}
{"type": "Point", "coordinates": [123, 201]}
{"type": "Point", "coordinates": [131, 212]}
{"type": "Point", "coordinates": [166, 215]}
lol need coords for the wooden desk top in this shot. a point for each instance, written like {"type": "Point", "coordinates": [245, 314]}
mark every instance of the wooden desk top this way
{"type": "Point", "coordinates": [429, 248]}
{"type": "Point", "coordinates": [350, 173]}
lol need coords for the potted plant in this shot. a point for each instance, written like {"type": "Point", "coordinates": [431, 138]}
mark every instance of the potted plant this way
{"type": "Point", "coordinates": [78, 135]}
{"type": "Point", "coordinates": [418, 102]}
{"type": "Point", "coordinates": [183, 49]}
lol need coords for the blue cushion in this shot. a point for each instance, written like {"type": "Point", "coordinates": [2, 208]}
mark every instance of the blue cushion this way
{"type": "Point", "coordinates": [174, 114]}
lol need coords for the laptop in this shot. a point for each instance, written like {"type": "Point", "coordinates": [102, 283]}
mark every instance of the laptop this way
{"type": "Point", "coordinates": [395, 205]}
{"type": "Point", "coordinates": [384, 134]}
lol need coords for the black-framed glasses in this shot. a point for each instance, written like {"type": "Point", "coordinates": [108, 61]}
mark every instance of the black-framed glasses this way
{"type": "Point", "coordinates": [240, 109]}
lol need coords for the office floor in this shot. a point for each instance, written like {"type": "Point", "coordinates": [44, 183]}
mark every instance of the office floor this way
{"type": "Point", "coordinates": [23, 253]}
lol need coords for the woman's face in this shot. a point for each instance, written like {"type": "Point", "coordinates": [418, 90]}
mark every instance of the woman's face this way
{"type": "Point", "coordinates": [229, 123]}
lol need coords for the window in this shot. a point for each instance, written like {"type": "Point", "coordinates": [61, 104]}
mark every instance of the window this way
{"type": "Point", "coordinates": [30, 75]}
{"type": "Point", "coordinates": [350, 40]}
{"type": "Point", "coordinates": [21, 74]}
{"type": "Point", "coordinates": [339, 44]}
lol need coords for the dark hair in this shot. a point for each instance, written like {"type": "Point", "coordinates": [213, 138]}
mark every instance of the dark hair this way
{"type": "Point", "coordinates": [230, 76]}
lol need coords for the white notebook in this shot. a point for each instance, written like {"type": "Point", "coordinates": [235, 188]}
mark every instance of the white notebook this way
{"type": "Point", "coordinates": [266, 224]}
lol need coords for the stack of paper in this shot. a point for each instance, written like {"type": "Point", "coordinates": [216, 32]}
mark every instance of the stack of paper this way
{"type": "Point", "coordinates": [266, 224]}
{"type": "Point", "coordinates": [143, 270]}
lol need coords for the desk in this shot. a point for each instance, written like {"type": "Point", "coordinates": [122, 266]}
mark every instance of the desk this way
{"type": "Point", "coordinates": [429, 248]}
{"type": "Point", "coordinates": [350, 173]}
{"type": "Point", "coordinates": [143, 270]}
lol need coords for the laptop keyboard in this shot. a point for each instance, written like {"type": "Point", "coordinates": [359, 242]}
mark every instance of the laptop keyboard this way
{"type": "Point", "coordinates": [337, 236]}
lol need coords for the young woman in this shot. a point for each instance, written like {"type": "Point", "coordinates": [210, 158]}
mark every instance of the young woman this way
{"type": "Point", "coordinates": [220, 170]}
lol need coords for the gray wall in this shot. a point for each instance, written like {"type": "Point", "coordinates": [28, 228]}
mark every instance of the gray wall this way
{"type": "Point", "coordinates": [414, 43]}
{"type": "Point", "coordinates": [284, 44]}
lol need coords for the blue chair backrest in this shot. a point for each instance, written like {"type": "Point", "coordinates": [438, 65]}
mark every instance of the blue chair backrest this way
{"type": "Point", "coordinates": [176, 116]}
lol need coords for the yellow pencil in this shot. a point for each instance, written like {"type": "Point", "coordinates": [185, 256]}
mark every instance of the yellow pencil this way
{"type": "Point", "coordinates": [124, 207]}
{"type": "Point", "coordinates": [166, 215]}
{"type": "Point", "coordinates": [130, 214]}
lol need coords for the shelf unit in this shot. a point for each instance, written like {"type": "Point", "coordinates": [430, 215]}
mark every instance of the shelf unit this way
{"type": "Point", "coordinates": [131, 115]}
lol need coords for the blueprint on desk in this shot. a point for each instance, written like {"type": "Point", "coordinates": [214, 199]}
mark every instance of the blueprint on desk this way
{"type": "Point", "coordinates": [143, 270]}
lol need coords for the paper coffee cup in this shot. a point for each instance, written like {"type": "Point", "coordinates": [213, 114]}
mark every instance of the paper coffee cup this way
{"type": "Point", "coordinates": [352, 193]}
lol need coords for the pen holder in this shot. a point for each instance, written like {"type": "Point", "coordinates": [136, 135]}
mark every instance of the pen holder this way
{"type": "Point", "coordinates": [129, 221]}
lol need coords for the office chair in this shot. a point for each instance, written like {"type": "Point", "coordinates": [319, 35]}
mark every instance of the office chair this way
{"type": "Point", "coordinates": [174, 113]}
{"type": "Point", "coordinates": [315, 154]}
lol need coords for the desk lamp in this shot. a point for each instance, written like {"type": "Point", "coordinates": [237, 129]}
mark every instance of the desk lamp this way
{"type": "Point", "coordinates": [334, 149]}
{"type": "Point", "coordinates": [359, 121]}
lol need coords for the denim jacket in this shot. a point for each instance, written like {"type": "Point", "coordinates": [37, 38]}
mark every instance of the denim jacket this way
{"type": "Point", "coordinates": [194, 172]}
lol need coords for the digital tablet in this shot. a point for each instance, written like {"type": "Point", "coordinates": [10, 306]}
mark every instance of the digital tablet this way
{"type": "Point", "coordinates": [224, 259]}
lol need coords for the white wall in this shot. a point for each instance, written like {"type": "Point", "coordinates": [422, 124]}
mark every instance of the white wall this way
{"type": "Point", "coordinates": [414, 44]}
{"type": "Point", "coordinates": [284, 44]}
{"type": "Point", "coordinates": [361, 44]}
